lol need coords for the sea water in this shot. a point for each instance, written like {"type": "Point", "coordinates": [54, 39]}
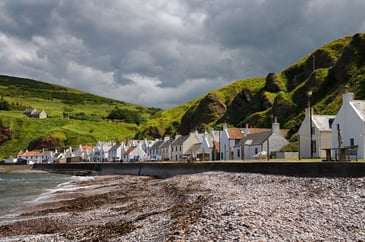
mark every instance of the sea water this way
{"type": "Point", "coordinates": [16, 190]}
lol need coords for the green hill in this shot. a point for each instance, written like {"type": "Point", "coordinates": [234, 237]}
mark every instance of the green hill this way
{"type": "Point", "coordinates": [256, 101]}
{"type": "Point", "coordinates": [74, 117]}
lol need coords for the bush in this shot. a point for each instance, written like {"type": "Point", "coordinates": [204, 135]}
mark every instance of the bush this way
{"type": "Point", "coordinates": [4, 105]}
{"type": "Point", "coordinates": [126, 115]}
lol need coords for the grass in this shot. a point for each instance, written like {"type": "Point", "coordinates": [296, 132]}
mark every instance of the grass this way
{"type": "Point", "coordinates": [87, 124]}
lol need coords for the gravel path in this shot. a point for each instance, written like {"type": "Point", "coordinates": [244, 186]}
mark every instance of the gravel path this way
{"type": "Point", "coordinates": [212, 206]}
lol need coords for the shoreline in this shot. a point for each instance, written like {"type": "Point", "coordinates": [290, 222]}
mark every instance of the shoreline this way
{"type": "Point", "coordinates": [198, 207]}
{"type": "Point", "coordinates": [19, 169]}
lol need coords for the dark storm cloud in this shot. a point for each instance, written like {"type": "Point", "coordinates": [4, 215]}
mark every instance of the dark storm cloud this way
{"type": "Point", "coordinates": [163, 53]}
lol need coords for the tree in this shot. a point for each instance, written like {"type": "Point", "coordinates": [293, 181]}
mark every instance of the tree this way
{"type": "Point", "coordinates": [4, 105]}
{"type": "Point", "coordinates": [128, 116]}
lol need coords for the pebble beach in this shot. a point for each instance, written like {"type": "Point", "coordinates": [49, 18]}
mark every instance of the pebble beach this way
{"type": "Point", "coordinates": [211, 206]}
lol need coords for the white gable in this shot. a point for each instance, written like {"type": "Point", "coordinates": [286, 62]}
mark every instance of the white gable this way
{"type": "Point", "coordinates": [322, 122]}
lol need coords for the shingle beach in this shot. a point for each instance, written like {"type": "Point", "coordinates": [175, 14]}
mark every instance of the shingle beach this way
{"type": "Point", "coordinates": [212, 206]}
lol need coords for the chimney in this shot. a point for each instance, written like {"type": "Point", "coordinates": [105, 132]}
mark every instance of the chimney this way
{"type": "Point", "coordinates": [275, 127]}
{"type": "Point", "coordinates": [245, 131]}
{"type": "Point", "coordinates": [347, 97]}
{"type": "Point", "coordinates": [307, 114]}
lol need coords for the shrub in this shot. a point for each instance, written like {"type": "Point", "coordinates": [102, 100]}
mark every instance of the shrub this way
{"type": "Point", "coordinates": [126, 115]}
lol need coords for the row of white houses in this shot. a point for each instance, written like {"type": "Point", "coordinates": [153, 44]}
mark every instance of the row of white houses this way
{"type": "Point", "coordinates": [226, 144]}
{"type": "Point", "coordinates": [345, 129]}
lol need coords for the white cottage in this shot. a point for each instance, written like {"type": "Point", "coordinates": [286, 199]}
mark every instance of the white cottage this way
{"type": "Point", "coordinates": [260, 141]}
{"type": "Point", "coordinates": [184, 147]}
{"type": "Point", "coordinates": [321, 134]}
{"type": "Point", "coordinates": [348, 128]}
{"type": "Point", "coordinates": [115, 153]}
{"type": "Point", "coordinates": [100, 152]}
{"type": "Point", "coordinates": [210, 145]}
{"type": "Point", "coordinates": [228, 139]}
{"type": "Point", "coordinates": [134, 153]}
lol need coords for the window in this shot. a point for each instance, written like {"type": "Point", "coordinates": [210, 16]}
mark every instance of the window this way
{"type": "Point", "coordinates": [330, 122]}
{"type": "Point", "coordinates": [238, 153]}
{"type": "Point", "coordinates": [352, 142]}
{"type": "Point", "coordinates": [314, 146]}
{"type": "Point", "coordinates": [256, 151]}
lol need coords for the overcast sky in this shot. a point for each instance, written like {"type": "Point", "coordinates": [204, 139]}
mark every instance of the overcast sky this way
{"type": "Point", "coordinates": [162, 53]}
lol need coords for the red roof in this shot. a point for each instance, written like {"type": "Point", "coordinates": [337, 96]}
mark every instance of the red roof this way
{"type": "Point", "coordinates": [130, 149]}
{"type": "Point", "coordinates": [30, 153]}
{"type": "Point", "coordinates": [235, 133]}
{"type": "Point", "coordinates": [86, 147]}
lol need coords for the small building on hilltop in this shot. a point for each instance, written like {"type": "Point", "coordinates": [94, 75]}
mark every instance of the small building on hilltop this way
{"type": "Point", "coordinates": [33, 113]}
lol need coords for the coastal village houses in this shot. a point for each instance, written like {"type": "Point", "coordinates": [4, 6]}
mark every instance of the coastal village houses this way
{"type": "Point", "coordinates": [321, 133]}
{"type": "Point", "coordinates": [317, 134]}
{"type": "Point", "coordinates": [37, 156]}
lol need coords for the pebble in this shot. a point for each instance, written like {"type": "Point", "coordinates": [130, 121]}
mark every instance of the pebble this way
{"type": "Point", "coordinates": [220, 206]}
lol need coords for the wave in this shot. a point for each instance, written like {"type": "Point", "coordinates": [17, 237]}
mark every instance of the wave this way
{"type": "Point", "coordinates": [65, 187]}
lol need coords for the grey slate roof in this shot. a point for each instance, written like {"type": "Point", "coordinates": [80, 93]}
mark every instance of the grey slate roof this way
{"type": "Point", "coordinates": [166, 144]}
{"type": "Point", "coordinates": [115, 147]}
{"type": "Point", "coordinates": [255, 139]}
{"type": "Point", "coordinates": [180, 140]}
{"type": "Point", "coordinates": [157, 144]}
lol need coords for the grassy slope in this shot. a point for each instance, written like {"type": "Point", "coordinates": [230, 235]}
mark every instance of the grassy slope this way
{"type": "Point", "coordinates": [56, 100]}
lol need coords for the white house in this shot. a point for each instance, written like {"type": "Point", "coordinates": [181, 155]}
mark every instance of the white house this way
{"type": "Point", "coordinates": [321, 134]}
{"type": "Point", "coordinates": [348, 128]}
{"type": "Point", "coordinates": [210, 145]}
{"type": "Point", "coordinates": [83, 152]}
{"type": "Point", "coordinates": [153, 152]}
{"type": "Point", "coordinates": [100, 151]}
{"type": "Point", "coordinates": [260, 141]}
{"type": "Point", "coordinates": [134, 153]}
{"type": "Point", "coordinates": [33, 113]}
{"type": "Point", "coordinates": [228, 139]}
{"type": "Point", "coordinates": [31, 157]}
{"type": "Point", "coordinates": [115, 152]}
{"type": "Point", "coordinates": [165, 149]}
{"type": "Point", "coordinates": [185, 146]}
